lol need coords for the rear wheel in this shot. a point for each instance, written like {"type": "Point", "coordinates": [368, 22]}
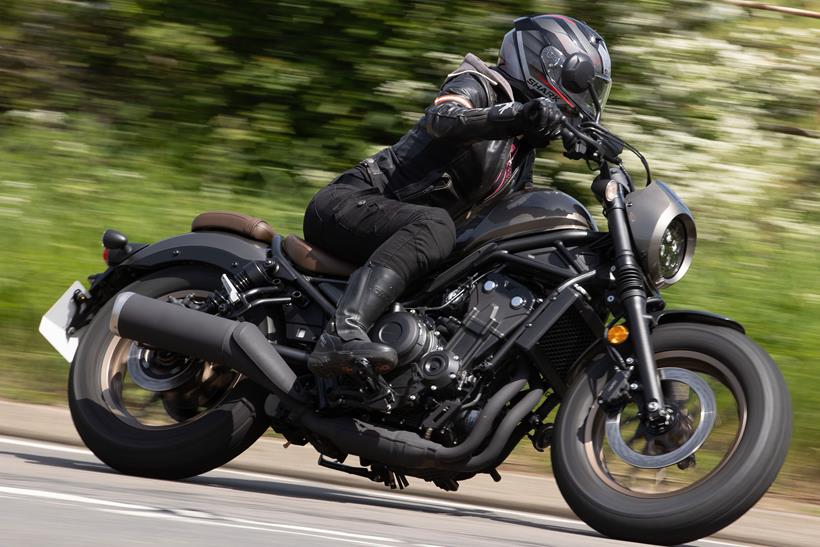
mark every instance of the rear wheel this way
{"type": "Point", "coordinates": [712, 375]}
{"type": "Point", "coordinates": [156, 414]}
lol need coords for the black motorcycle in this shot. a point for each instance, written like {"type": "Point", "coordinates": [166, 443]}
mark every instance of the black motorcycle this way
{"type": "Point", "coordinates": [670, 425]}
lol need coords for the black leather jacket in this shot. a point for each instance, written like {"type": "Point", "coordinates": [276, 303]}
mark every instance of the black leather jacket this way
{"type": "Point", "coordinates": [462, 152]}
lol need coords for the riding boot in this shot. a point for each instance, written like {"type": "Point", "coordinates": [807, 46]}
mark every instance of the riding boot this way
{"type": "Point", "coordinates": [345, 345]}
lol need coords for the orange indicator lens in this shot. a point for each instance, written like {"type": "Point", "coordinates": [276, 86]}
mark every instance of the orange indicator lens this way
{"type": "Point", "coordinates": [617, 335]}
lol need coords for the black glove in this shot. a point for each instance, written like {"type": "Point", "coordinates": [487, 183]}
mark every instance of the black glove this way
{"type": "Point", "coordinates": [539, 119]}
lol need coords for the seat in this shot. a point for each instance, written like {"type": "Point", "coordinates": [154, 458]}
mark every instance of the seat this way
{"type": "Point", "coordinates": [312, 259]}
{"type": "Point", "coordinates": [244, 225]}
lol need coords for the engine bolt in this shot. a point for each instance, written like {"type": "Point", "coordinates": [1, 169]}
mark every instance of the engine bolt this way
{"type": "Point", "coordinates": [433, 388]}
{"type": "Point", "coordinates": [652, 406]}
{"type": "Point", "coordinates": [610, 299]}
{"type": "Point", "coordinates": [452, 375]}
{"type": "Point", "coordinates": [633, 386]}
{"type": "Point", "coordinates": [412, 397]}
{"type": "Point", "coordinates": [490, 285]}
{"type": "Point", "coordinates": [629, 360]}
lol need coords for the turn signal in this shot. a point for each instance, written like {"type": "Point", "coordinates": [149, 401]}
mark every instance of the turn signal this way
{"type": "Point", "coordinates": [617, 335]}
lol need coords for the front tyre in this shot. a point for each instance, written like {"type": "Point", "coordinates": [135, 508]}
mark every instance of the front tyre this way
{"type": "Point", "coordinates": [197, 416]}
{"type": "Point", "coordinates": [697, 497]}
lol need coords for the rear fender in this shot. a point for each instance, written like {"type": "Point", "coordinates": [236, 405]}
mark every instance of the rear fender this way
{"type": "Point", "coordinates": [220, 250]}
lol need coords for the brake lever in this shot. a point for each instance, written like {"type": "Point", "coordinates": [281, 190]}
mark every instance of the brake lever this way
{"type": "Point", "coordinates": [589, 142]}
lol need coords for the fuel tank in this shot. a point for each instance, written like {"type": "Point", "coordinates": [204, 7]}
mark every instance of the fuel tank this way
{"type": "Point", "coordinates": [522, 213]}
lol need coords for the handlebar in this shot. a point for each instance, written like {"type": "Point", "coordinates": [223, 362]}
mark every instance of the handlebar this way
{"type": "Point", "coordinates": [588, 140]}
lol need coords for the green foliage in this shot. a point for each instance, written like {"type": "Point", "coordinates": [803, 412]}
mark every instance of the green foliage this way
{"type": "Point", "coordinates": [138, 114]}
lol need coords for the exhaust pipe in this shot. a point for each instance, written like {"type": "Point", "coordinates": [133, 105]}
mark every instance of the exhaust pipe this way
{"type": "Point", "coordinates": [239, 345]}
{"type": "Point", "coordinates": [242, 346]}
{"type": "Point", "coordinates": [407, 450]}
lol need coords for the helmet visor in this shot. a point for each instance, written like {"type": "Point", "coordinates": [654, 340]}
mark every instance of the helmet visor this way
{"type": "Point", "coordinates": [601, 87]}
{"type": "Point", "coordinates": [552, 64]}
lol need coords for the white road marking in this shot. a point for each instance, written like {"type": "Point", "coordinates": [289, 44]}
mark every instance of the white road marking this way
{"type": "Point", "coordinates": [45, 445]}
{"type": "Point", "coordinates": [198, 517]}
{"type": "Point", "coordinates": [310, 529]}
{"type": "Point", "coordinates": [715, 542]}
{"type": "Point", "coordinates": [263, 527]}
{"type": "Point", "coordinates": [31, 493]}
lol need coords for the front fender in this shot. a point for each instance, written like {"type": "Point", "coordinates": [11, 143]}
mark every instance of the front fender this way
{"type": "Point", "coordinates": [695, 316]}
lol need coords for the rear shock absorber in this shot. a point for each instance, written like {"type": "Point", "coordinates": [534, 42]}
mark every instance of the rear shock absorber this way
{"type": "Point", "coordinates": [251, 275]}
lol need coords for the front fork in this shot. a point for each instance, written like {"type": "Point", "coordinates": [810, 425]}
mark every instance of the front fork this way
{"type": "Point", "coordinates": [631, 291]}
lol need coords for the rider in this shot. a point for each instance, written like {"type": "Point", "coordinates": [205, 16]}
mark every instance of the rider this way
{"type": "Point", "coordinates": [394, 211]}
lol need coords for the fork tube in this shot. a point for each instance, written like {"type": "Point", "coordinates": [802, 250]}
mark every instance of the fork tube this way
{"type": "Point", "coordinates": [632, 294]}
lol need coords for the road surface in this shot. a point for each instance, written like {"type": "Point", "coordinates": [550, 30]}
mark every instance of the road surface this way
{"type": "Point", "coordinates": [52, 494]}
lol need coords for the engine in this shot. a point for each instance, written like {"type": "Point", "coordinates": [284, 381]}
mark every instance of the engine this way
{"type": "Point", "coordinates": [438, 386]}
{"type": "Point", "coordinates": [442, 350]}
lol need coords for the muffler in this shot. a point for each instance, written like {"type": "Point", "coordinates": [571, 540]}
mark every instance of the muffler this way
{"type": "Point", "coordinates": [239, 345]}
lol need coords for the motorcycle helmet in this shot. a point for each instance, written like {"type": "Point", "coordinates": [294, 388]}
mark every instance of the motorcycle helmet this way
{"type": "Point", "coordinates": [559, 58]}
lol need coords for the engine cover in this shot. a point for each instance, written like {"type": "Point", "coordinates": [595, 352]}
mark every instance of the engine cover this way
{"type": "Point", "coordinates": [496, 307]}
{"type": "Point", "coordinates": [407, 334]}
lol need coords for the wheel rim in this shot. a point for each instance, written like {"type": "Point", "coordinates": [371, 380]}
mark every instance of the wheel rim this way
{"type": "Point", "coordinates": [188, 391]}
{"type": "Point", "coordinates": [713, 453]}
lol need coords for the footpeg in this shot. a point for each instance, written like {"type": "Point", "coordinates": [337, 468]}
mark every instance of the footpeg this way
{"type": "Point", "coordinates": [375, 473]}
{"type": "Point", "coordinates": [542, 437]}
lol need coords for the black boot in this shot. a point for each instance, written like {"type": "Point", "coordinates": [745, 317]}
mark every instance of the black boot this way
{"type": "Point", "coordinates": [345, 344]}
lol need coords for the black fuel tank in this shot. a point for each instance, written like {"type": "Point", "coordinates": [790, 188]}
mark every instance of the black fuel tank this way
{"type": "Point", "coordinates": [522, 213]}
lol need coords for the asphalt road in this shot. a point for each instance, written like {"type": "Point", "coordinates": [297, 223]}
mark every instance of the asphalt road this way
{"type": "Point", "coordinates": [53, 494]}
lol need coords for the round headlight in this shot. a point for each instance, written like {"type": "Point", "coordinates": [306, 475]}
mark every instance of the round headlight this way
{"type": "Point", "coordinates": [663, 232]}
{"type": "Point", "coordinates": [672, 249]}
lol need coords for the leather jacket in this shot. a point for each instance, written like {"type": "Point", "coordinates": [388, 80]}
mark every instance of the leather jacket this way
{"type": "Point", "coordinates": [463, 152]}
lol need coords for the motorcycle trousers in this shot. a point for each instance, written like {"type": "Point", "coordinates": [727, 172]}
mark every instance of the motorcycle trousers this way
{"type": "Point", "coordinates": [354, 221]}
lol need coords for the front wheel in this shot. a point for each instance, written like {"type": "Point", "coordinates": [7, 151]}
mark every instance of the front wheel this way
{"type": "Point", "coordinates": [155, 414]}
{"type": "Point", "coordinates": [703, 493]}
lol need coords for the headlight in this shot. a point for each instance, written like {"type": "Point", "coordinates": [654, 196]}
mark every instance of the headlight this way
{"type": "Point", "coordinates": [663, 232]}
{"type": "Point", "coordinates": [673, 249]}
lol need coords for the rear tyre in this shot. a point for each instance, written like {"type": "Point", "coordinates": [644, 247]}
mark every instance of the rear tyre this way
{"type": "Point", "coordinates": [189, 430]}
{"type": "Point", "coordinates": [594, 487]}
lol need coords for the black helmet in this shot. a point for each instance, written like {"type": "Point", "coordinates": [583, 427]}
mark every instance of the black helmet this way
{"type": "Point", "coordinates": [558, 57]}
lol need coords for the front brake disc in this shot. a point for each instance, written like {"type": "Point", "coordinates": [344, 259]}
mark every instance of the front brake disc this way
{"type": "Point", "coordinates": [708, 408]}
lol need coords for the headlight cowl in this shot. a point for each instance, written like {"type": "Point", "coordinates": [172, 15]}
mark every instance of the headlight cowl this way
{"type": "Point", "coordinates": [663, 232]}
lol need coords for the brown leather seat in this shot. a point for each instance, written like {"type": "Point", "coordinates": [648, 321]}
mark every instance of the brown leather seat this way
{"type": "Point", "coordinates": [312, 259]}
{"type": "Point", "coordinates": [244, 225]}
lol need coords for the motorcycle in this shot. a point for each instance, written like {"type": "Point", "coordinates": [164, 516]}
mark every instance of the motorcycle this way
{"type": "Point", "coordinates": [671, 424]}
